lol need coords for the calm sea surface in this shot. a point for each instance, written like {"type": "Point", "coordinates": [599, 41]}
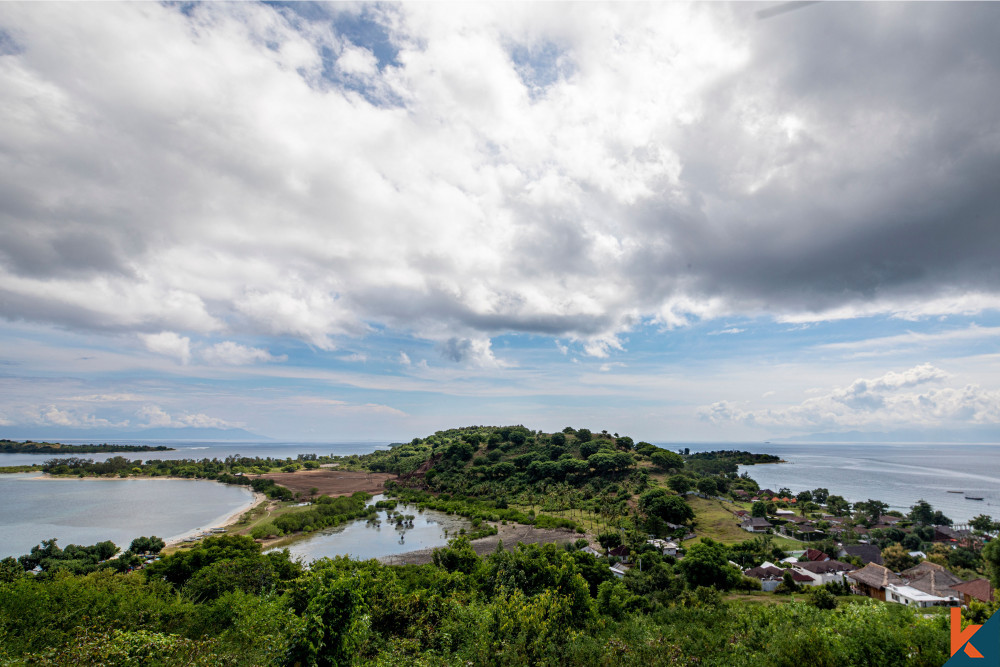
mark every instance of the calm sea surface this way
{"type": "Point", "coordinates": [897, 474]}
{"type": "Point", "coordinates": [87, 511]}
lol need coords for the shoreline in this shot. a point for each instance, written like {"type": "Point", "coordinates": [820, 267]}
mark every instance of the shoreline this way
{"type": "Point", "coordinates": [222, 522]}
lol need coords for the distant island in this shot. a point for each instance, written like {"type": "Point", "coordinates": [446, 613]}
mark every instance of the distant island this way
{"type": "Point", "coordinates": [31, 447]}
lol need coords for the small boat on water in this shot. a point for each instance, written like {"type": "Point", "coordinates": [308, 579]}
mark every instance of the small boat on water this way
{"type": "Point", "coordinates": [956, 492]}
{"type": "Point", "coordinates": [973, 497]}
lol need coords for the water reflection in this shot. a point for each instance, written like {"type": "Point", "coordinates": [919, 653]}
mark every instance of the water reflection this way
{"type": "Point", "coordinates": [395, 529]}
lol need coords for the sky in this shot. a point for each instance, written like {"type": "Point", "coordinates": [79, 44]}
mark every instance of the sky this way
{"type": "Point", "coordinates": [684, 222]}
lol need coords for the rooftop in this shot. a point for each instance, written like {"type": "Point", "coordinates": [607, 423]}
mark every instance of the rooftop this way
{"type": "Point", "coordinates": [916, 594]}
{"type": "Point", "coordinates": [875, 576]}
{"type": "Point", "coordinates": [823, 566]}
{"type": "Point", "coordinates": [979, 589]}
{"type": "Point", "coordinates": [868, 553]}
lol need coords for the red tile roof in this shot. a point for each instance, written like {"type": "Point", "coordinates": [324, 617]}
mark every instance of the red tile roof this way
{"type": "Point", "coordinates": [979, 589]}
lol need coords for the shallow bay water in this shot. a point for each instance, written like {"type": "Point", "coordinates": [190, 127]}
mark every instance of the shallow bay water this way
{"type": "Point", "coordinates": [86, 511]}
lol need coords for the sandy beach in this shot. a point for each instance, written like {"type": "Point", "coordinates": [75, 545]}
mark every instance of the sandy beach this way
{"type": "Point", "coordinates": [223, 522]}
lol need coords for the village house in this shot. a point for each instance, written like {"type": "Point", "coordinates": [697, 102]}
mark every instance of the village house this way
{"type": "Point", "coordinates": [977, 589]}
{"type": "Point", "coordinates": [824, 572]}
{"type": "Point", "coordinates": [619, 552]}
{"type": "Point", "coordinates": [755, 524]}
{"type": "Point", "coordinates": [816, 555]}
{"type": "Point", "coordinates": [868, 553]}
{"type": "Point", "coordinates": [666, 548]}
{"type": "Point", "coordinates": [872, 579]}
{"type": "Point", "coordinates": [950, 535]}
{"type": "Point", "coordinates": [914, 597]}
{"type": "Point", "coordinates": [770, 576]}
{"type": "Point", "coordinates": [791, 522]}
{"type": "Point", "coordinates": [932, 579]}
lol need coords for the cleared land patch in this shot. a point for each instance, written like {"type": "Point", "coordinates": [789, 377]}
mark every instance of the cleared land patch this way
{"type": "Point", "coordinates": [330, 481]}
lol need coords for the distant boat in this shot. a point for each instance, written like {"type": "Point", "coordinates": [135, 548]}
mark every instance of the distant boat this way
{"type": "Point", "coordinates": [956, 492]}
{"type": "Point", "coordinates": [973, 497]}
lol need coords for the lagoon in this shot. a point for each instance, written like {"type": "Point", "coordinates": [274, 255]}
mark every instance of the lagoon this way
{"type": "Point", "coordinates": [361, 540]}
{"type": "Point", "coordinates": [86, 511]}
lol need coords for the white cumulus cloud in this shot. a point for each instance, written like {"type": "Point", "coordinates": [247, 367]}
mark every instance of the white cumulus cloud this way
{"type": "Point", "coordinates": [895, 399]}
{"type": "Point", "coordinates": [234, 354]}
{"type": "Point", "coordinates": [169, 344]}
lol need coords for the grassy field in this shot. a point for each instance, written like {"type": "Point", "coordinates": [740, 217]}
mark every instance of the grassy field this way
{"type": "Point", "coordinates": [592, 522]}
{"type": "Point", "coordinates": [716, 520]}
{"type": "Point", "coordinates": [255, 516]}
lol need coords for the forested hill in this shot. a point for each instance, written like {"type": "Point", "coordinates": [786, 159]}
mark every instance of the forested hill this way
{"type": "Point", "coordinates": [230, 601]}
{"type": "Point", "coordinates": [30, 447]}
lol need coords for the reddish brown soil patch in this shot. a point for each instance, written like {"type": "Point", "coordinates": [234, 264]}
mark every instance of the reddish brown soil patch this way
{"type": "Point", "coordinates": [330, 481]}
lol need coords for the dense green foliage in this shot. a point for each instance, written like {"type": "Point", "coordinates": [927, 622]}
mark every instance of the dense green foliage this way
{"type": "Point", "coordinates": [225, 603]}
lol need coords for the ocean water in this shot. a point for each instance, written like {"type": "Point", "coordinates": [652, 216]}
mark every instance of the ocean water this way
{"type": "Point", "coordinates": [87, 511]}
{"type": "Point", "coordinates": [897, 474]}
{"type": "Point", "coordinates": [187, 449]}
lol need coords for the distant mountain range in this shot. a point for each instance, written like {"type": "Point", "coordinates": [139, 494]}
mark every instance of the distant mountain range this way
{"type": "Point", "coordinates": [55, 433]}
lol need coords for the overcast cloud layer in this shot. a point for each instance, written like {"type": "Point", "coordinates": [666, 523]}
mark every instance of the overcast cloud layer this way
{"type": "Point", "coordinates": [206, 183]}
